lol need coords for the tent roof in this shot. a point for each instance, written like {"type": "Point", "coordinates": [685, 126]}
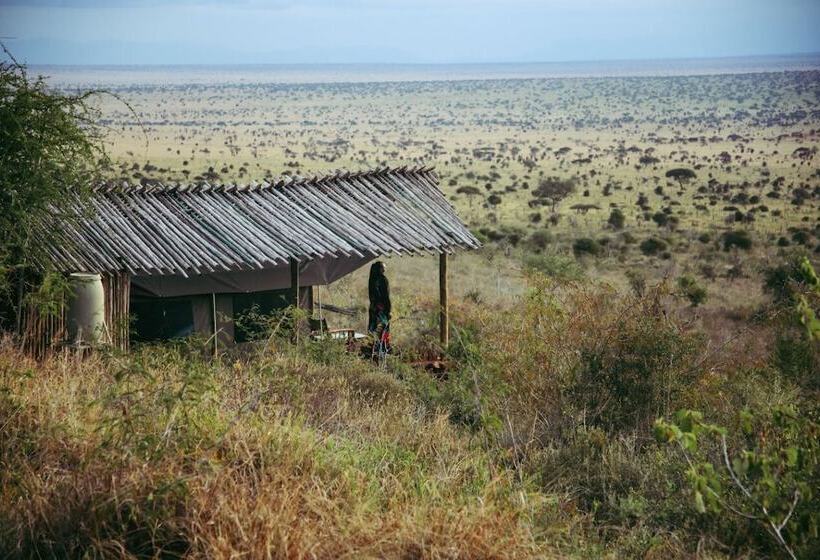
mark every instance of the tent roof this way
{"type": "Point", "coordinates": [201, 229]}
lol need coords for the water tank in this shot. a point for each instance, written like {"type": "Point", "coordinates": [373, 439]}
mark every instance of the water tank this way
{"type": "Point", "coordinates": [85, 316]}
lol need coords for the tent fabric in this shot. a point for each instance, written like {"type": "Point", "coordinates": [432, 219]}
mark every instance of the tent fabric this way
{"type": "Point", "coordinates": [311, 273]}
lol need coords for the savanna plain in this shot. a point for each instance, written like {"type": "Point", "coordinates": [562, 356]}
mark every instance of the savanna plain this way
{"type": "Point", "coordinates": [633, 368]}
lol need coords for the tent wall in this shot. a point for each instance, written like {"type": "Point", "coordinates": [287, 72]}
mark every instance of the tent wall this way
{"type": "Point", "coordinates": [311, 273]}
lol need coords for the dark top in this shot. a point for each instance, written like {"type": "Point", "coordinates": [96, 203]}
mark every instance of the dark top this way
{"type": "Point", "coordinates": [379, 292]}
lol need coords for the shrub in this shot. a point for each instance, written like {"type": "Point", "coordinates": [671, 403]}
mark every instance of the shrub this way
{"type": "Point", "coordinates": [652, 246]}
{"type": "Point", "coordinates": [691, 290]}
{"type": "Point", "coordinates": [626, 379]}
{"type": "Point", "coordinates": [788, 279]}
{"type": "Point", "coordinates": [586, 246]}
{"type": "Point", "coordinates": [798, 359]}
{"type": "Point", "coordinates": [558, 267]}
{"type": "Point", "coordinates": [660, 219]}
{"type": "Point", "coordinates": [772, 478]}
{"type": "Point", "coordinates": [539, 239]}
{"type": "Point", "coordinates": [737, 238]}
{"type": "Point", "coordinates": [616, 219]}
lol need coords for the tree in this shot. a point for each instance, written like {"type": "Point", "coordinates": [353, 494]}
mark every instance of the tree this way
{"type": "Point", "coordinates": [681, 174]}
{"type": "Point", "coordinates": [51, 152]}
{"type": "Point", "coordinates": [554, 189]}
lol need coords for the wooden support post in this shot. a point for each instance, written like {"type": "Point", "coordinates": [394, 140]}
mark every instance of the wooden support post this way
{"type": "Point", "coordinates": [444, 319]}
{"type": "Point", "coordinates": [294, 281]}
{"type": "Point", "coordinates": [294, 294]}
{"type": "Point", "coordinates": [214, 318]}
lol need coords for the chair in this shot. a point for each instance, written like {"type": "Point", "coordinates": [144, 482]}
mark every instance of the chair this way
{"type": "Point", "coordinates": [319, 331]}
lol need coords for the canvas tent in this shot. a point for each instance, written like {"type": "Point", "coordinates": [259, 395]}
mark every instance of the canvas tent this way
{"type": "Point", "coordinates": [204, 246]}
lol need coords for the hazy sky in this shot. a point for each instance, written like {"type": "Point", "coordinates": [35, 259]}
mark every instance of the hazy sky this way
{"type": "Point", "coordinates": [423, 31]}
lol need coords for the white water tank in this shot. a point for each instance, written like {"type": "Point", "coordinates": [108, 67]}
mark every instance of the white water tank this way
{"type": "Point", "coordinates": [85, 316]}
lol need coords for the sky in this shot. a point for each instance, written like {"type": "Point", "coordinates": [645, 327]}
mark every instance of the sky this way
{"type": "Point", "coordinates": [401, 31]}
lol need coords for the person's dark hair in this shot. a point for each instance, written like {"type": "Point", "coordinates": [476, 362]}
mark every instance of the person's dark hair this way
{"type": "Point", "coordinates": [376, 273]}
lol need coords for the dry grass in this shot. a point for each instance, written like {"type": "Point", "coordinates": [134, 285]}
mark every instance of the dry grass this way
{"type": "Point", "coordinates": [537, 444]}
{"type": "Point", "coordinates": [156, 455]}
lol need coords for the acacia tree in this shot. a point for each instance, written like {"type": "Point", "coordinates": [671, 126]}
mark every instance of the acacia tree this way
{"type": "Point", "coordinates": [682, 175]}
{"type": "Point", "coordinates": [554, 189]}
{"type": "Point", "coordinates": [51, 151]}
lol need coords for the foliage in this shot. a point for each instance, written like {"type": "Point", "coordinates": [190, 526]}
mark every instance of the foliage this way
{"type": "Point", "coordinates": [691, 290]}
{"type": "Point", "coordinates": [737, 238]}
{"type": "Point", "coordinates": [652, 246]}
{"type": "Point", "coordinates": [627, 377]}
{"type": "Point", "coordinates": [586, 246]}
{"type": "Point", "coordinates": [771, 478]}
{"type": "Point", "coordinates": [616, 219]}
{"type": "Point", "coordinates": [50, 152]}
{"type": "Point", "coordinates": [539, 239]}
{"type": "Point", "coordinates": [562, 268]}
{"type": "Point", "coordinates": [795, 283]}
{"type": "Point", "coordinates": [681, 175]}
{"type": "Point", "coordinates": [554, 189]}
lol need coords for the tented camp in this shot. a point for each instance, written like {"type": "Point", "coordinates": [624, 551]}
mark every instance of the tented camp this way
{"type": "Point", "coordinates": [173, 260]}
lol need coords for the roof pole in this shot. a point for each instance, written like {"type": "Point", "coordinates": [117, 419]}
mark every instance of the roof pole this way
{"type": "Point", "coordinates": [444, 319]}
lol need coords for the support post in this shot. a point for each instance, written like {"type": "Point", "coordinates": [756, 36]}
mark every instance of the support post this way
{"type": "Point", "coordinates": [444, 319]}
{"type": "Point", "coordinates": [216, 325]}
{"type": "Point", "coordinates": [294, 281]}
{"type": "Point", "coordinates": [294, 294]}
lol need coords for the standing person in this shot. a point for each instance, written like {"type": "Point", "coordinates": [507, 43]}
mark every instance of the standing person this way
{"type": "Point", "coordinates": [378, 289]}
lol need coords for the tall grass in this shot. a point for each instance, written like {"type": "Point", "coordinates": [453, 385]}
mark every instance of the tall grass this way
{"type": "Point", "coordinates": [536, 444]}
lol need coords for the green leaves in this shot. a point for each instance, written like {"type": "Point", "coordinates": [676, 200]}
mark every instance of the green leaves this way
{"type": "Point", "coordinates": [772, 478]}
{"type": "Point", "coordinates": [51, 151]}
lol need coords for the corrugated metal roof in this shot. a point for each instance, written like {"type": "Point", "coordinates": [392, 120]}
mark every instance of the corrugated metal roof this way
{"type": "Point", "coordinates": [199, 229]}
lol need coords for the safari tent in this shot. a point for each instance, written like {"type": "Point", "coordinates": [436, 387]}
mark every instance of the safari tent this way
{"type": "Point", "coordinates": [182, 259]}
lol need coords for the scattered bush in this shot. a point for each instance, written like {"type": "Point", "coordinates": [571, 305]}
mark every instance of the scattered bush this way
{"type": "Point", "coordinates": [540, 239]}
{"type": "Point", "coordinates": [616, 219]}
{"type": "Point", "coordinates": [652, 246]}
{"type": "Point", "coordinates": [586, 246]}
{"type": "Point", "coordinates": [691, 290]}
{"type": "Point", "coordinates": [559, 267]}
{"type": "Point", "coordinates": [737, 238]}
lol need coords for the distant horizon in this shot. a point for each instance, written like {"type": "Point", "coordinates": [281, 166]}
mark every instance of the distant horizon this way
{"type": "Point", "coordinates": [111, 75]}
{"type": "Point", "coordinates": [808, 54]}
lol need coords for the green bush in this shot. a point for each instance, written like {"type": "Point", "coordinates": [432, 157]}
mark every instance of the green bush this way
{"type": "Point", "coordinates": [616, 219]}
{"type": "Point", "coordinates": [660, 219]}
{"type": "Point", "coordinates": [737, 238]}
{"type": "Point", "coordinates": [652, 246]}
{"type": "Point", "coordinates": [767, 472]}
{"type": "Point", "coordinates": [539, 239]}
{"type": "Point", "coordinates": [558, 267]}
{"type": "Point", "coordinates": [798, 359]}
{"type": "Point", "coordinates": [787, 279]}
{"type": "Point", "coordinates": [691, 290]}
{"type": "Point", "coordinates": [586, 246]}
{"type": "Point", "coordinates": [625, 379]}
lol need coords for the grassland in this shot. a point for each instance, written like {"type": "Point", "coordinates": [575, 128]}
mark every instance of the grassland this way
{"type": "Point", "coordinates": [750, 139]}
